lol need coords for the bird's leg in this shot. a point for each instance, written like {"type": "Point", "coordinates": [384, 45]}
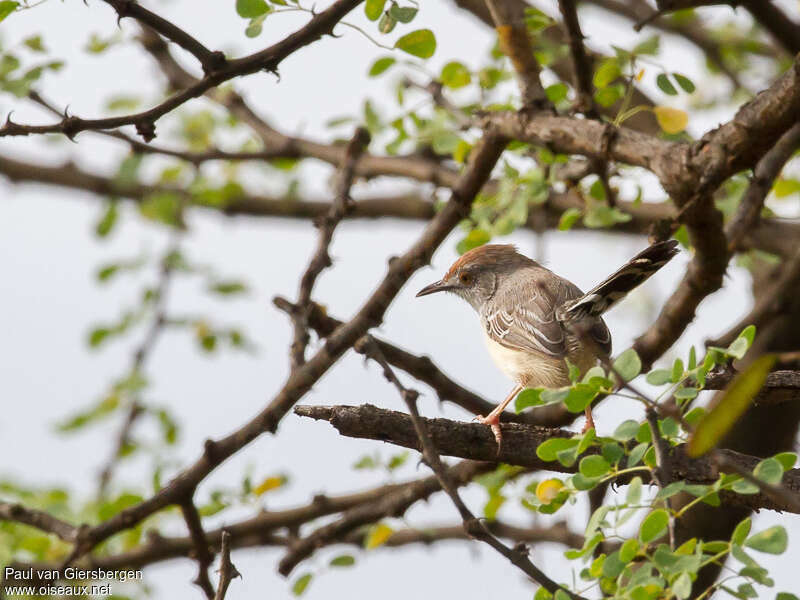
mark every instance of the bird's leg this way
{"type": "Point", "coordinates": [493, 418]}
{"type": "Point", "coordinates": [589, 420]}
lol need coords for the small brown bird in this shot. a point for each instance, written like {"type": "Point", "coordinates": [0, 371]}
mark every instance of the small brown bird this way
{"type": "Point", "coordinates": [533, 319]}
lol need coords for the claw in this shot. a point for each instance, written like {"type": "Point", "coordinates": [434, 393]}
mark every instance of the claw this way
{"type": "Point", "coordinates": [493, 421]}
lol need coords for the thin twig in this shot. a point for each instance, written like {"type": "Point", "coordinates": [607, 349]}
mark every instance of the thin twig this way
{"type": "Point", "coordinates": [227, 571]}
{"type": "Point", "coordinates": [202, 552]}
{"type": "Point", "coordinates": [321, 259]}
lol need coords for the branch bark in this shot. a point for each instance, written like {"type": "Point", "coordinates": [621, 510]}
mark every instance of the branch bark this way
{"type": "Point", "coordinates": [476, 442]}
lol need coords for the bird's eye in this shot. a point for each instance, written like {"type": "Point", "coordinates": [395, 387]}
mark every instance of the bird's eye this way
{"type": "Point", "coordinates": [465, 278]}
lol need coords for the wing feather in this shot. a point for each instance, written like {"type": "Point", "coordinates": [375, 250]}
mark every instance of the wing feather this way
{"type": "Point", "coordinates": [522, 314]}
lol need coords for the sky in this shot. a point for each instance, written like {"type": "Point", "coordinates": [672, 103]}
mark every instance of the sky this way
{"type": "Point", "coordinates": [51, 300]}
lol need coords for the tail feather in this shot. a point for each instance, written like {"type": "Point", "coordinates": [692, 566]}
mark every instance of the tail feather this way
{"type": "Point", "coordinates": [615, 287]}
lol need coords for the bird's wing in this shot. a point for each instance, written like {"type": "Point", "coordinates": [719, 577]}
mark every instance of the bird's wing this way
{"type": "Point", "coordinates": [522, 315]}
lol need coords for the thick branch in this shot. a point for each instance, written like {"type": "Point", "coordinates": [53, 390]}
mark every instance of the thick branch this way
{"type": "Point", "coordinates": [764, 175]}
{"type": "Point", "coordinates": [475, 441]}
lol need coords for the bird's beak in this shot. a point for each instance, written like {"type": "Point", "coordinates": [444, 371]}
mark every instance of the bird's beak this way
{"type": "Point", "coordinates": [437, 286]}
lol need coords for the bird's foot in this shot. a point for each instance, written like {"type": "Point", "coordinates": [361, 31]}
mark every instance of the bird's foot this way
{"type": "Point", "coordinates": [589, 424]}
{"type": "Point", "coordinates": [493, 421]}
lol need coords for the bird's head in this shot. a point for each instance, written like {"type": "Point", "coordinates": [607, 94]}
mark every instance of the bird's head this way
{"type": "Point", "coordinates": [476, 275]}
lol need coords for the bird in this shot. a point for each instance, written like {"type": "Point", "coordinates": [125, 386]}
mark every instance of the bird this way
{"type": "Point", "coordinates": [534, 321]}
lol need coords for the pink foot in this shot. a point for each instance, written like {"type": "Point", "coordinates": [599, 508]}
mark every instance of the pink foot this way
{"type": "Point", "coordinates": [493, 421]}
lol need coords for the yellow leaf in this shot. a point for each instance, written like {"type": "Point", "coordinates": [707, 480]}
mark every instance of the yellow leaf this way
{"type": "Point", "coordinates": [671, 120]}
{"type": "Point", "coordinates": [730, 405]}
{"type": "Point", "coordinates": [377, 536]}
{"type": "Point", "coordinates": [270, 483]}
{"type": "Point", "coordinates": [548, 489]}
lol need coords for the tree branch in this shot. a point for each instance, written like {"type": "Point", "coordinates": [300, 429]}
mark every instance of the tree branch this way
{"type": "Point", "coordinates": [476, 442]}
{"type": "Point", "coordinates": [509, 20]}
{"type": "Point", "coordinates": [38, 519]}
{"type": "Point", "coordinates": [518, 556]}
{"type": "Point", "coordinates": [210, 60]}
{"type": "Point", "coordinates": [200, 550]}
{"type": "Point", "coordinates": [341, 205]}
{"type": "Point", "coordinates": [227, 571]}
{"type": "Point", "coordinates": [393, 504]}
{"type": "Point", "coordinates": [267, 60]}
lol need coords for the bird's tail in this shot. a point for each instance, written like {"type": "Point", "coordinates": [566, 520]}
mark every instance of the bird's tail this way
{"type": "Point", "coordinates": [615, 287]}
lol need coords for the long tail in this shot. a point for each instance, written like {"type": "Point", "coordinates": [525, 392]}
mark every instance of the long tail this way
{"type": "Point", "coordinates": [615, 287]}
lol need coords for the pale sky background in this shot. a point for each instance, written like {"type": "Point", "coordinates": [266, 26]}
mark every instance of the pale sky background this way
{"type": "Point", "coordinates": [50, 301]}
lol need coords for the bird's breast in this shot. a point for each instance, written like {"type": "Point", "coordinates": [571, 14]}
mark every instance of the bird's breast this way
{"type": "Point", "coordinates": [528, 368]}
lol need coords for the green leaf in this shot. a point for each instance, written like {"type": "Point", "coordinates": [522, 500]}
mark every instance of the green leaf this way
{"type": "Point", "coordinates": [527, 398]}
{"type": "Point", "coordinates": [769, 470]}
{"type": "Point", "coordinates": [7, 7]}
{"type": "Point", "coordinates": [665, 85]}
{"type": "Point", "coordinates": [628, 364]}
{"type": "Point", "coordinates": [301, 584]}
{"type": "Point", "coordinates": [455, 75]}
{"type": "Point", "coordinates": [670, 490]}
{"type": "Point", "coordinates": [34, 42]}
{"type": "Point", "coordinates": [649, 46]}
{"type": "Point", "coordinates": [732, 404]}
{"type": "Point", "coordinates": [475, 238]}
{"type": "Point", "coordinates": [607, 72]}
{"type": "Point", "coordinates": [636, 454]}
{"type": "Point", "coordinates": [742, 531]}
{"type": "Point", "coordinates": [568, 218]}
{"type": "Point", "coordinates": [579, 397]}
{"type": "Point", "coordinates": [654, 526]}
{"type": "Point", "coordinates": [677, 370]}
{"type": "Point", "coordinates": [634, 495]}
{"type": "Point", "coordinates": [161, 206]}
{"type": "Point", "coordinates": [602, 215]}
{"type": "Point", "coordinates": [254, 28]}
{"type": "Point", "coordinates": [684, 82]}
{"type": "Point", "coordinates": [343, 560]}
{"type": "Point", "coordinates": [227, 288]}
{"type": "Point", "coordinates": [106, 223]}
{"type": "Point", "coordinates": [772, 541]}
{"type": "Point", "coordinates": [626, 430]}
{"type": "Point", "coordinates": [787, 459]}
{"type": "Point", "coordinates": [387, 23]}
{"type": "Point", "coordinates": [609, 95]}
{"type": "Point", "coordinates": [249, 9]}
{"type": "Point", "coordinates": [98, 336]}
{"type": "Point", "coordinates": [613, 566]}
{"type": "Point", "coordinates": [403, 14]}
{"type": "Point", "coordinates": [742, 343]}
{"type": "Point", "coordinates": [594, 466]}
{"type": "Point", "coordinates": [628, 550]}
{"type": "Point", "coordinates": [682, 586]}
{"type": "Point", "coordinates": [549, 449]}
{"type": "Point", "coordinates": [374, 9]}
{"type": "Point", "coordinates": [420, 43]}
{"type": "Point", "coordinates": [557, 92]}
